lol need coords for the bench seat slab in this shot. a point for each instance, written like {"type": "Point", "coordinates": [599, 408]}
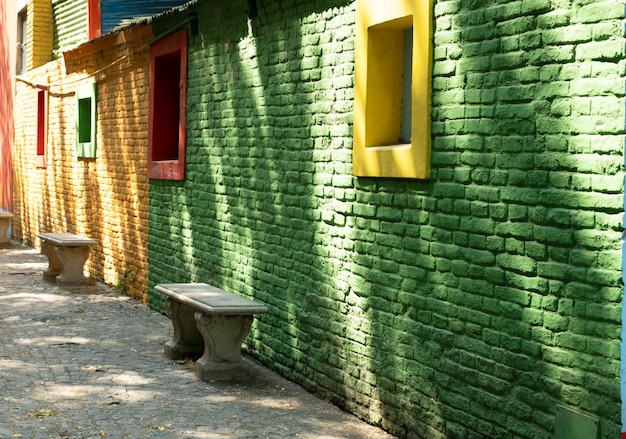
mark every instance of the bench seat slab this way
{"type": "Point", "coordinates": [211, 300]}
{"type": "Point", "coordinates": [67, 239]}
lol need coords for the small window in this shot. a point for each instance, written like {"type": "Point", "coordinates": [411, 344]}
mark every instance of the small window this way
{"type": "Point", "coordinates": [392, 89]}
{"type": "Point", "coordinates": [168, 88]}
{"type": "Point", "coordinates": [86, 118]}
{"type": "Point", "coordinates": [22, 42]}
{"type": "Point", "coordinates": [42, 128]}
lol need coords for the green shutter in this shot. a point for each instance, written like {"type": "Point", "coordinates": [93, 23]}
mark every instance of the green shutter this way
{"type": "Point", "coordinates": [86, 120]}
{"type": "Point", "coordinates": [70, 18]}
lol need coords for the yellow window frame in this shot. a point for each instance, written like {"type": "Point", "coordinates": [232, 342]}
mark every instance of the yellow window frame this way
{"type": "Point", "coordinates": [379, 53]}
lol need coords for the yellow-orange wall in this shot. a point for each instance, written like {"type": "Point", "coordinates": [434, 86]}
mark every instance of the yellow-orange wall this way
{"type": "Point", "coordinates": [105, 198]}
{"type": "Point", "coordinates": [39, 33]}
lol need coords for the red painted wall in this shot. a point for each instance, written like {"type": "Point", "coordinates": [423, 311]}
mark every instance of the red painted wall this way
{"type": "Point", "coordinates": [7, 43]}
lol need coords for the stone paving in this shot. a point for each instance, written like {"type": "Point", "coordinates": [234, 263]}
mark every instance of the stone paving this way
{"type": "Point", "coordinates": [89, 364]}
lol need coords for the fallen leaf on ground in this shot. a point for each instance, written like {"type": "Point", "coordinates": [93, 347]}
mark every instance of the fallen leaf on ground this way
{"type": "Point", "coordinates": [42, 413]}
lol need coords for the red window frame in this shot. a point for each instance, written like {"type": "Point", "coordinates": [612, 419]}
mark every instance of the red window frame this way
{"type": "Point", "coordinates": [42, 127]}
{"type": "Point", "coordinates": [94, 19]}
{"type": "Point", "coordinates": [167, 135]}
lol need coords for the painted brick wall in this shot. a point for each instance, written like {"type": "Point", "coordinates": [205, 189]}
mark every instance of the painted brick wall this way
{"type": "Point", "coordinates": [470, 305]}
{"type": "Point", "coordinates": [39, 33]}
{"type": "Point", "coordinates": [104, 198]}
{"type": "Point", "coordinates": [8, 43]}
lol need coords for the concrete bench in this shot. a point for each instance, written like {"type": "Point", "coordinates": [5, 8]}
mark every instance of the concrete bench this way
{"type": "Point", "coordinates": [212, 323]}
{"type": "Point", "coordinates": [67, 254]}
{"type": "Point", "coordinates": [5, 222]}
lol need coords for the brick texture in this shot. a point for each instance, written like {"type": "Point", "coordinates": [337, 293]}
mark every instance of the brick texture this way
{"type": "Point", "coordinates": [466, 306]}
{"type": "Point", "coordinates": [104, 198]}
{"type": "Point", "coordinates": [39, 21]}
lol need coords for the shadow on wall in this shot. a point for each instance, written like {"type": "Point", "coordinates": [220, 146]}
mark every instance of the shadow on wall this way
{"type": "Point", "coordinates": [103, 197]}
{"type": "Point", "coordinates": [116, 183]}
{"type": "Point", "coordinates": [478, 319]}
{"type": "Point", "coordinates": [438, 308]}
{"type": "Point", "coordinates": [247, 218]}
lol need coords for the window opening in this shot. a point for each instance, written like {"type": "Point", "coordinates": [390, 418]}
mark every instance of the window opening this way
{"type": "Point", "coordinates": [22, 42]}
{"type": "Point", "coordinates": [393, 66]}
{"type": "Point", "coordinates": [86, 120]}
{"type": "Point", "coordinates": [168, 88]}
{"type": "Point", "coordinates": [42, 128]}
{"type": "Point", "coordinates": [407, 82]}
{"type": "Point", "coordinates": [167, 106]}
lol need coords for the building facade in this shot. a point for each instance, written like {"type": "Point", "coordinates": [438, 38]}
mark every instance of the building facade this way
{"type": "Point", "coordinates": [80, 148]}
{"type": "Point", "coordinates": [460, 280]}
{"type": "Point", "coordinates": [428, 196]}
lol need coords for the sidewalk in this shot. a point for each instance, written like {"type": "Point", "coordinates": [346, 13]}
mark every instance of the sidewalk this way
{"type": "Point", "coordinates": [89, 364]}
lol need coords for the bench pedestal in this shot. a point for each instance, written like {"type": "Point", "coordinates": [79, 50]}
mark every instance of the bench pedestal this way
{"type": "Point", "coordinates": [5, 222]}
{"type": "Point", "coordinates": [223, 336]}
{"type": "Point", "coordinates": [187, 341]}
{"type": "Point", "coordinates": [54, 265]}
{"type": "Point", "coordinates": [72, 265]}
{"type": "Point", "coordinates": [217, 338]}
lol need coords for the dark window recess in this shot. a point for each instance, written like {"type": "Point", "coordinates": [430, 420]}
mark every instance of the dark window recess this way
{"type": "Point", "coordinates": [84, 120]}
{"type": "Point", "coordinates": [167, 106]}
{"type": "Point", "coordinates": [42, 128]}
{"type": "Point", "coordinates": [168, 87]}
{"type": "Point", "coordinates": [407, 83]}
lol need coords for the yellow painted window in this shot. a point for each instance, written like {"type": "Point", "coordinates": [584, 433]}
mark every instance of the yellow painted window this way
{"type": "Point", "coordinates": [392, 88]}
{"type": "Point", "coordinates": [22, 42]}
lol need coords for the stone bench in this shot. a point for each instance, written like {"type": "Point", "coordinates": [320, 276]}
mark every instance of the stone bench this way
{"type": "Point", "coordinates": [67, 254]}
{"type": "Point", "coordinates": [5, 222]}
{"type": "Point", "coordinates": [212, 323]}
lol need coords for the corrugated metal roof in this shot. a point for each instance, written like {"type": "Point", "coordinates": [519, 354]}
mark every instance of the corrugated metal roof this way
{"type": "Point", "coordinates": [133, 21]}
{"type": "Point", "coordinates": [116, 13]}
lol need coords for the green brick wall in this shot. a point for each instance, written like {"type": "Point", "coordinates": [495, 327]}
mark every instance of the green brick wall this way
{"type": "Point", "coordinates": [470, 305]}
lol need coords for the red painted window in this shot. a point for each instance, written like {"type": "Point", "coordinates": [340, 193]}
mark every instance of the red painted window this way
{"type": "Point", "coordinates": [168, 92]}
{"type": "Point", "coordinates": [42, 128]}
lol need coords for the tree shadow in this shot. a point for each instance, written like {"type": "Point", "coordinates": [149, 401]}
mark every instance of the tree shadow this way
{"type": "Point", "coordinates": [257, 226]}
{"type": "Point", "coordinates": [488, 324]}
{"type": "Point", "coordinates": [435, 308]}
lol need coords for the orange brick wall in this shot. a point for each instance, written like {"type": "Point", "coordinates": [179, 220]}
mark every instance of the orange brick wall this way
{"type": "Point", "coordinates": [105, 198]}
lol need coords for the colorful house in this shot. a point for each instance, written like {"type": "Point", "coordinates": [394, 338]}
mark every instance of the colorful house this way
{"type": "Point", "coordinates": [428, 196]}
{"type": "Point", "coordinates": [80, 158]}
